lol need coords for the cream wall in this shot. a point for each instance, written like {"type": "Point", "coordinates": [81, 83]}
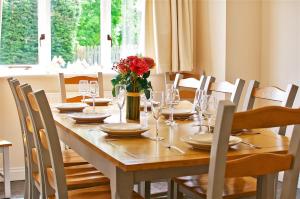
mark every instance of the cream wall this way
{"type": "Point", "coordinates": [243, 22]}
{"type": "Point", "coordinates": [280, 46]}
{"type": "Point", "coordinates": [211, 40]}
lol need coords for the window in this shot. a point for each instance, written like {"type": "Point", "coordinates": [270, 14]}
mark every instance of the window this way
{"type": "Point", "coordinates": [19, 32]}
{"type": "Point", "coordinates": [87, 32]}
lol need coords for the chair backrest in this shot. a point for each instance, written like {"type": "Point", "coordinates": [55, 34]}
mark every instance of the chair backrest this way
{"type": "Point", "coordinates": [271, 93]}
{"type": "Point", "coordinates": [187, 83]}
{"type": "Point", "coordinates": [75, 80]}
{"type": "Point", "coordinates": [12, 84]}
{"type": "Point", "coordinates": [174, 77]}
{"type": "Point", "coordinates": [27, 139]}
{"type": "Point", "coordinates": [43, 153]}
{"type": "Point", "coordinates": [52, 160]}
{"type": "Point", "coordinates": [259, 165]}
{"type": "Point", "coordinates": [30, 141]}
{"type": "Point", "coordinates": [235, 90]}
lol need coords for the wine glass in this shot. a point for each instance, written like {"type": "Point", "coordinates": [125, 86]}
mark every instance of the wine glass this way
{"type": "Point", "coordinates": [94, 88]}
{"type": "Point", "coordinates": [83, 88]}
{"type": "Point", "coordinates": [172, 99]}
{"type": "Point", "coordinates": [120, 91]}
{"type": "Point", "coordinates": [157, 101]}
{"type": "Point", "coordinates": [197, 104]}
{"type": "Point", "coordinates": [145, 101]}
{"type": "Point", "coordinates": [209, 109]}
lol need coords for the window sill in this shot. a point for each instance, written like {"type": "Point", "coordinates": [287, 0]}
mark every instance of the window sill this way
{"type": "Point", "coordinates": [5, 71]}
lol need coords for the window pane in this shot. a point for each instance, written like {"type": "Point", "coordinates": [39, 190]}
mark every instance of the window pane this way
{"type": "Point", "coordinates": [126, 27]}
{"type": "Point", "coordinates": [64, 18]}
{"type": "Point", "coordinates": [75, 29]}
{"type": "Point", "coordinates": [88, 32]}
{"type": "Point", "coordinates": [19, 32]}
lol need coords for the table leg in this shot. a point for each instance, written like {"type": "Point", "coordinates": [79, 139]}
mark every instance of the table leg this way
{"type": "Point", "coordinates": [6, 172]}
{"type": "Point", "coordinates": [266, 186]}
{"type": "Point", "coordinates": [121, 184]}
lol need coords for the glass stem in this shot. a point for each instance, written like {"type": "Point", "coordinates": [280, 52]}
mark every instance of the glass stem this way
{"type": "Point", "coordinates": [172, 114]}
{"type": "Point", "coordinates": [209, 128]}
{"type": "Point", "coordinates": [83, 98]}
{"type": "Point", "coordinates": [145, 106]}
{"type": "Point", "coordinates": [120, 115]}
{"type": "Point", "coordinates": [93, 103]}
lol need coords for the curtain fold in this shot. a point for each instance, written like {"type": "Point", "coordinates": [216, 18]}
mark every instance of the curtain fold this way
{"type": "Point", "coordinates": [169, 34]}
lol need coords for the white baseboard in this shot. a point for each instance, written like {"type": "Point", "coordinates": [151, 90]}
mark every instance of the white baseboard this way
{"type": "Point", "coordinates": [16, 173]}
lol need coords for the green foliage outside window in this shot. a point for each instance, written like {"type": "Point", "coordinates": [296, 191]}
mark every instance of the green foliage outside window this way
{"type": "Point", "coordinates": [19, 33]}
{"type": "Point", "coordinates": [88, 30]}
{"type": "Point", "coordinates": [64, 19]}
{"type": "Point", "coordinates": [73, 22]}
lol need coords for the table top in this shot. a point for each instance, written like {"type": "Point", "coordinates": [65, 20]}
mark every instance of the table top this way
{"type": "Point", "coordinates": [141, 153]}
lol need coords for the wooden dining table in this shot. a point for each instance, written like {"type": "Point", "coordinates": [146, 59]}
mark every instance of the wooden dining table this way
{"type": "Point", "coordinates": [130, 160]}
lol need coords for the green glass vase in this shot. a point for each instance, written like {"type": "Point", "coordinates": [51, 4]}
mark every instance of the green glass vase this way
{"type": "Point", "coordinates": [133, 107]}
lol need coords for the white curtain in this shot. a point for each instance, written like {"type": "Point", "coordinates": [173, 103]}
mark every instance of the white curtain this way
{"type": "Point", "coordinates": [169, 34]}
{"type": "Point", "coordinates": [1, 8]}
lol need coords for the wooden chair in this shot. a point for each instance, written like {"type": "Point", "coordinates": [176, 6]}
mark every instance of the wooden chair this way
{"type": "Point", "coordinates": [28, 142]}
{"type": "Point", "coordinates": [235, 90]}
{"type": "Point", "coordinates": [75, 80]}
{"type": "Point", "coordinates": [186, 82]}
{"type": "Point", "coordinates": [30, 151]}
{"type": "Point", "coordinates": [236, 183]}
{"type": "Point", "coordinates": [77, 177]}
{"type": "Point", "coordinates": [53, 167]}
{"type": "Point", "coordinates": [286, 98]}
{"type": "Point", "coordinates": [4, 149]}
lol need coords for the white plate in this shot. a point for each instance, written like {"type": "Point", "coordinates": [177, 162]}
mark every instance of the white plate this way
{"type": "Point", "coordinates": [71, 106]}
{"type": "Point", "coordinates": [178, 113]}
{"type": "Point", "coordinates": [204, 141]}
{"type": "Point", "coordinates": [123, 129]}
{"type": "Point", "coordinates": [88, 117]}
{"type": "Point", "coordinates": [148, 104]}
{"type": "Point", "coordinates": [98, 101]}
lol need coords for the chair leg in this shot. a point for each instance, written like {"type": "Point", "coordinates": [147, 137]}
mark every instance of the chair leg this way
{"type": "Point", "coordinates": [177, 194]}
{"type": "Point", "coordinates": [35, 194]}
{"type": "Point", "coordinates": [145, 189]}
{"type": "Point", "coordinates": [27, 184]}
{"type": "Point", "coordinates": [170, 189]}
{"type": "Point", "coordinates": [6, 172]}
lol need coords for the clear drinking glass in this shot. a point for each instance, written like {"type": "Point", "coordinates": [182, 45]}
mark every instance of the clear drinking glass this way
{"type": "Point", "coordinates": [172, 99]}
{"type": "Point", "coordinates": [157, 101]}
{"type": "Point", "coordinates": [209, 110]}
{"type": "Point", "coordinates": [120, 91]}
{"type": "Point", "coordinates": [83, 88]}
{"type": "Point", "coordinates": [145, 101]}
{"type": "Point", "coordinates": [94, 88]}
{"type": "Point", "coordinates": [197, 106]}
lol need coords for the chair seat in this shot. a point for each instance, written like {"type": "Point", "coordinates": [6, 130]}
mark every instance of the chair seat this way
{"type": "Point", "coordinates": [102, 192]}
{"type": "Point", "coordinates": [70, 158]}
{"type": "Point", "coordinates": [78, 177]}
{"type": "Point", "coordinates": [233, 188]}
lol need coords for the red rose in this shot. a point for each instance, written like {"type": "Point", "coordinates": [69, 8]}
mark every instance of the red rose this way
{"type": "Point", "coordinates": [150, 62]}
{"type": "Point", "coordinates": [139, 66]}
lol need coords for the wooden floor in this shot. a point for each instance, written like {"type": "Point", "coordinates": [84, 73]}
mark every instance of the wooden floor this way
{"type": "Point", "coordinates": [18, 189]}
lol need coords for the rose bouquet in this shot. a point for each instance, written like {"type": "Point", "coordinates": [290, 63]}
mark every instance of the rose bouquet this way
{"type": "Point", "coordinates": [133, 72]}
